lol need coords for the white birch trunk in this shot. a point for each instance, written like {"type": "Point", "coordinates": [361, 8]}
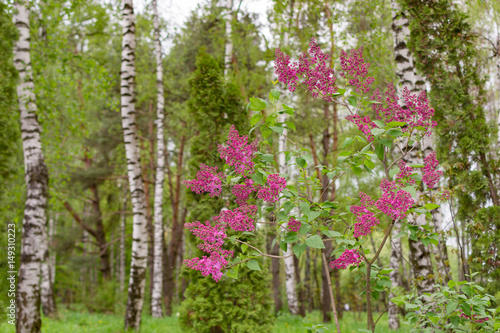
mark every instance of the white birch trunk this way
{"type": "Point", "coordinates": [137, 281]}
{"type": "Point", "coordinates": [420, 255]}
{"type": "Point", "coordinates": [47, 284]}
{"type": "Point", "coordinates": [396, 251]}
{"type": "Point", "coordinates": [157, 289]}
{"type": "Point", "coordinates": [34, 233]}
{"type": "Point", "coordinates": [229, 37]}
{"type": "Point", "coordinates": [290, 283]}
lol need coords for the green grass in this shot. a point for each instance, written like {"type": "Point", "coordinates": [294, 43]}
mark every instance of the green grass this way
{"type": "Point", "coordinates": [79, 322]}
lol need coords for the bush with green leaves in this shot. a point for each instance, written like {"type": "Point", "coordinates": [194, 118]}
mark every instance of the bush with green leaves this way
{"type": "Point", "coordinates": [458, 307]}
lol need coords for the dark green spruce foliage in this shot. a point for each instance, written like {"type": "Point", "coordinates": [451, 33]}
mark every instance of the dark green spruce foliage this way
{"type": "Point", "coordinates": [445, 48]}
{"type": "Point", "coordinates": [242, 305]}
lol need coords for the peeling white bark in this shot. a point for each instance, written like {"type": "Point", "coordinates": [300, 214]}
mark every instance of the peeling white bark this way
{"type": "Point", "coordinates": [394, 276]}
{"type": "Point", "coordinates": [47, 282]}
{"type": "Point", "coordinates": [137, 281]}
{"type": "Point", "coordinates": [34, 233]}
{"type": "Point", "coordinates": [157, 289]}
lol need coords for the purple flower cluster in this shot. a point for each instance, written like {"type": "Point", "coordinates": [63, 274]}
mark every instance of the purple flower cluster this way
{"type": "Point", "coordinates": [403, 177]}
{"type": "Point", "coordinates": [243, 191]}
{"type": "Point", "coordinates": [394, 202]}
{"type": "Point", "coordinates": [356, 70]}
{"type": "Point", "coordinates": [238, 152]}
{"type": "Point", "coordinates": [239, 219]}
{"type": "Point", "coordinates": [349, 257]}
{"type": "Point", "coordinates": [431, 175]}
{"type": "Point", "coordinates": [314, 69]}
{"type": "Point", "coordinates": [365, 125]}
{"type": "Point", "coordinates": [207, 181]}
{"type": "Point", "coordinates": [294, 225]}
{"type": "Point", "coordinates": [473, 317]}
{"type": "Point", "coordinates": [416, 113]}
{"type": "Point", "coordinates": [213, 239]}
{"type": "Point", "coordinates": [364, 217]}
{"type": "Point", "coordinates": [271, 193]}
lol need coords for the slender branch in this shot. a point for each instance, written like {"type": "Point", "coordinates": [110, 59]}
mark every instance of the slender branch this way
{"type": "Point", "coordinates": [262, 253]}
{"type": "Point", "coordinates": [387, 308]}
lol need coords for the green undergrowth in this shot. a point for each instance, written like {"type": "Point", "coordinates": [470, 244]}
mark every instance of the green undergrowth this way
{"type": "Point", "coordinates": [78, 322]}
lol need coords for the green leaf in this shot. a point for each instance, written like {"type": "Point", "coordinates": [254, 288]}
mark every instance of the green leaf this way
{"type": "Point", "coordinates": [395, 124]}
{"type": "Point", "coordinates": [290, 125]}
{"type": "Point", "coordinates": [395, 132]}
{"type": "Point", "coordinates": [369, 164]}
{"type": "Point", "coordinates": [265, 131]}
{"type": "Point", "coordinates": [451, 283]}
{"type": "Point", "coordinates": [315, 242]}
{"type": "Point", "coordinates": [253, 265]}
{"type": "Point", "coordinates": [467, 290]}
{"type": "Point", "coordinates": [411, 190]}
{"type": "Point", "coordinates": [380, 124]}
{"type": "Point", "coordinates": [399, 301]}
{"type": "Point", "coordinates": [401, 234]}
{"type": "Point", "coordinates": [452, 306]}
{"type": "Point", "coordinates": [258, 178]}
{"type": "Point", "coordinates": [267, 157]}
{"type": "Point", "coordinates": [287, 207]}
{"type": "Point", "coordinates": [357, 170]}
{"type": "Point", "coordinates": [352, 101]}
{"type": "Point", "coordinates": [255, 119]}
{"type": "Point", "coordinates": [347, 142]}
{"type": "Point", "coordinates": [313, 215]}
{"type": "Point", "coordinates": [257, 104]}
{"type": "Point", "coordinates": [379, 151]}
{"type": "Point", "coordinates": [274, 94]}
{"type": "Point", "coordinates": [291, 237]}
{"type": "Point", "coordinates": [284, 246]}
{"type": "Point", "coordinates": [341, 91]}
{"type": "Point", "coordinates": [301, 162]}
{"type": "Point", "coordinates": [298, 249]}
{"type": "Point", "coordinates": [384, 283]}
{"type": "Point", "coordinates": [277, 129]}
{"type": "Point", "coordinates": [431, 206]}
{"type": "Point", "coordinates": [232, 273]}
{"type": "Point", "coordinates": [244, 248]}
{"type": "Point", "coordinates": [304, 229]}
{"type": "Point", "coordinates": [466, 309]}
{"type": "Point", "coordinates": [455, 321]}
{"type": "Point", "coordinates": [304, 207]}
{"type": "Point", "coordinates": [385, 142]}
{"type": "Point", "coordinates": [329, 204]}
{"type": "Point", "coordinates": [377, 131]}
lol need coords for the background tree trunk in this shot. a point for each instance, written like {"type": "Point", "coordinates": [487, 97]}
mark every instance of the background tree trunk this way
{"type": "Point", "coordinates": [47, 283]}
{"type": "Point", "coordinates": [228, 53]}
{"type": "Point", "coordinates": [156, 297]}
{"type": "Point", "coordinates": [139, 254]}
{"type": "Point", "coordinates": [34, 247]}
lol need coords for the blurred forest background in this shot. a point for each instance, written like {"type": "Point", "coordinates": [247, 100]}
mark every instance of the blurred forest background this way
{"type": "Point", "coordinates": [209, 73]}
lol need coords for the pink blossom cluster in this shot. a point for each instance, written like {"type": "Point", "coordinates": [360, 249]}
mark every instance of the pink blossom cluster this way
{"type": "Point", "coordinates": [394, 202]}
{"type": "Point", "coordinates": [207, 180]}
{"type": "Point", "coordinates": [403, 177]}
{"type": "Point", "coordinates": [213, 238]}
{"type": "Point", "coordinates": [364, 217]}
{"type": "Point", "coordinates": [356, 70]}
{"type": "Point", "coordinates": [271, 193]}
{"type": "Point", "coordinates": [294, 225]}
{"type": "Point", "coordinates": [431, 175]}
{"type": "Point", "coordinates": [416, 111]}
{"type": "Point", "coordinates": [239, 218]}
{"type": "Point", "coordinates": [243, 191]}
{"type": "Point", "coordinates": [473, 317]}
{"type": "Point", "coordinates": [314, 69]}
{"type": "Point", "coordinates": [348, 257]}
{"type": "Point", "coordinates": [365, 125]}
{"type": "Point", "coordinates": [238, 152]}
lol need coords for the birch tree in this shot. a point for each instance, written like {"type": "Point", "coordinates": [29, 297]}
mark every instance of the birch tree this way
{"type": "Point", "coordinates": [139, 254]}
{"type": "Point", "coordinates": [47, 277]}
{"type": "Point", "coordinates": [156, 296]}
{"type": "Point", "coordinates": [34, 231]}
{"type": "Point", "coordinates": [228, 52]}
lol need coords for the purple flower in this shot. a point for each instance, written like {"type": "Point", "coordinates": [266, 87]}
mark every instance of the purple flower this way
{"type": "Point", "coordinates": [294, 225]}
{"type": "Point", "coordinates": [271, 193]}
{"type": "Point", "coordinates": [348, 257]}
{"type": "Point", "coordinates": [238, 152]}
{"type": "Point", "coordinates": [431, 175]}
{"type": "Point", "coordinates": [207, 181]}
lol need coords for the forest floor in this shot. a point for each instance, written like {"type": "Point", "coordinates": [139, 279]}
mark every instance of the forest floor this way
{"type": "Point", "coordinates": [79, 322]}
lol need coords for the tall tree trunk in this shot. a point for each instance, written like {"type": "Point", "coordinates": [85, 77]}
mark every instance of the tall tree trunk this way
{"type": "Point", "coordinates": [300, 287]}
{"type": "Point", "coordinates": [290, 282]}
{"type": "Point", "coordinates": [228, 53]}
{"type": "Point", "coordinates": [156, 296]}
{"type": "Point", "coordinates": [394, 276]}
{"type": "Point", "coordinates": [275, 272]}
{"type": "Point", "coordinates": [420, 255]}
{"type": "Point", "coordinates": [139, 253]}
{"type": "Point", "coordinates": [34, 247]}
{"type": "Point", "coordinates": [47, 283]}
{"type": "Point", "coordinates": [326, 307]}
{"type": "Point", "coordinates": [123, 221]}
{"type": "Point", "coordinates": [176, 229]}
